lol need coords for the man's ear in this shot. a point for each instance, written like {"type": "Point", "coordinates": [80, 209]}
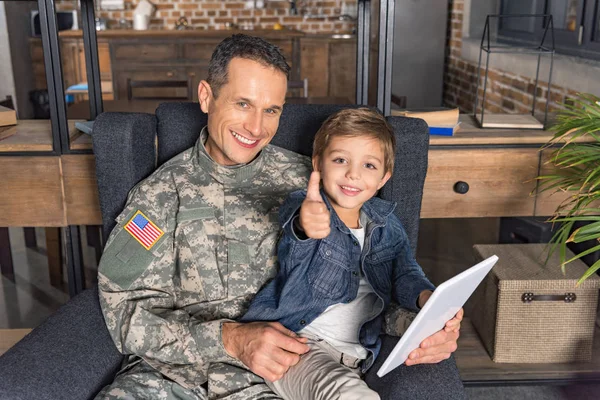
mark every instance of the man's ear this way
{"type": "Point", "coordinates": [205, 96]}
{"type": "Point", "coordinates": [385, 178]}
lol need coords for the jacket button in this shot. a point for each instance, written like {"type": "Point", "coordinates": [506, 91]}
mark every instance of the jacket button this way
{"type": "Point", "coordinates": [356, 243]}
{"type": "Point", "coordinates": [347, 299]}
{"type": "Point", "coordinates": [354, 273]}
{"type": "Point", "coordinates": [328, 252]}
{"type": "Point", "coordinates": [302, 322]}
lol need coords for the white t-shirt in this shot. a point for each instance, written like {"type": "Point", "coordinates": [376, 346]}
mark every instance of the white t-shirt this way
{"type": "Point", "coordinates": [339, 324]}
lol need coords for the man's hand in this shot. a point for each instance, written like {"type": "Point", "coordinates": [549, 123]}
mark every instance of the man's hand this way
{"type": "Point", "coordinates": [268, 349]}
{"type": "Point", "coordinates": [441, 344]}
{"type": "Point", "coordinates": [314, 216]}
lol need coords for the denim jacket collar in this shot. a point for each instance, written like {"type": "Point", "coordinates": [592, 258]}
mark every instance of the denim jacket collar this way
{"type": "Point", "coordinates": [375, 209]}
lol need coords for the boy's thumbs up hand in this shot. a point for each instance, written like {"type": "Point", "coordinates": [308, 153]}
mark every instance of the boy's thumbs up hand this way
{"type": "Point", "coordinates": [314, 216]}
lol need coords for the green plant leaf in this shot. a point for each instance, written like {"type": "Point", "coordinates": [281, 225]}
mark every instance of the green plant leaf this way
{"type": "Point", "coordinates": [590, 271]}
{"type": "Point", "coordinates": [576, 175]}
{"type": "Point", "coordinates": [583, 254]}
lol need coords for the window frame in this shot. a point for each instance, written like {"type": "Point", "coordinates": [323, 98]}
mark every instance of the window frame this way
{"type": "Point", "coordinates": [566, 42]}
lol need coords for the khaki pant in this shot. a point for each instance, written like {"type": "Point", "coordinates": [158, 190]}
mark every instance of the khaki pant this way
{"type": "Point", "coordinates": [323, 374]}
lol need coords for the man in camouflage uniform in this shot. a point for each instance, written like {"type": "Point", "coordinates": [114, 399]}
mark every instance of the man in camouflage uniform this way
{"type": "Point", "coordinates": [197, 240]}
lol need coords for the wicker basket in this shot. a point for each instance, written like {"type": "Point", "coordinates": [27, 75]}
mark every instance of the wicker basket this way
{"type": "Point", "coordinates": [526, 312]}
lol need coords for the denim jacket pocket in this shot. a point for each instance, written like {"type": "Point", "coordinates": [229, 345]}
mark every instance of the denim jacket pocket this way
{"type": "Point", "coordinates": [380, 262]}
{"type": "Point", "coordinates": [199, 254]}
{"type": "Point", "coordinates": [331, 277]}
{"type": "Point", "coordinates": [381, 254]}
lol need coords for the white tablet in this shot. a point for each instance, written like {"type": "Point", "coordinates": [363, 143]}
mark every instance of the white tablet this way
{"type": "Point", "coordinates": [443, 304]}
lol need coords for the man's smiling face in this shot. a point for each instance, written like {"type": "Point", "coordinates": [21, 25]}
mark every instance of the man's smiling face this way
{"type": "Point", "coordinates": [245, 116]}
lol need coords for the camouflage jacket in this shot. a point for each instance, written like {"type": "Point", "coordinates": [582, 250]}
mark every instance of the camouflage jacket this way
{"type": "Point", "coordinates": [194, 244]}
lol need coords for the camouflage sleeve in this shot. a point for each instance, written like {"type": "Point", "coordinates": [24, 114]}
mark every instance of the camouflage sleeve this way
{"type": "Point", "coordinates": [397, 320]}
{"type": "Point", "coordinates": [138, 295]}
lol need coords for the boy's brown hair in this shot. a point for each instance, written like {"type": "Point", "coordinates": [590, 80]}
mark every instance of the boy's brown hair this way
{"type": "Point", "coordinates": [355, 122]}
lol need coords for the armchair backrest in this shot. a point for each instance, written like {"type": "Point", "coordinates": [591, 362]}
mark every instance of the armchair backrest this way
{"type": "Point", "coordinates": [125, 154]}
{"type": "Point", "coordinates": [124, 148]}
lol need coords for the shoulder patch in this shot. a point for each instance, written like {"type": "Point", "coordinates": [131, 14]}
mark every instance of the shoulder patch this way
{"type": "Point", "coordinates": [143, 230]}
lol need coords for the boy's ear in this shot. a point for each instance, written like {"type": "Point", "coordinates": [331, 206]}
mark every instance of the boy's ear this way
{"type": "Point", "coordinates": [385, 178]}
{"type": "Point", "coordinates": [316, 164]}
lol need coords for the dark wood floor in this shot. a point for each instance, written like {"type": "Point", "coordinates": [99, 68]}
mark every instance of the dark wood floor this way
{"type": "Point", "coordinates": [477, 368]}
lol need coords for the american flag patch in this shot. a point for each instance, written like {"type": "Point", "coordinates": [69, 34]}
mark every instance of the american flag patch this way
{"type": "Point", "coordinates": [143, 230]}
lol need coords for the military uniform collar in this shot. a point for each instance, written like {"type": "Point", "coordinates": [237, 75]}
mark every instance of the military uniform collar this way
{"type": "Point", "coordinates": [235, 174]}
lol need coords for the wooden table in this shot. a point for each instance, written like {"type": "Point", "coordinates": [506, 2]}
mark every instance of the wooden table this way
{"type": "Point", "coordinates": [34, 135]}
{"type": "Point", "coordinates": [8, 338]}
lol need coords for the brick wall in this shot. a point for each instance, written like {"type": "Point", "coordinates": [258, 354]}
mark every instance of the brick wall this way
{"type": "Point", "coordinates": [214, 14]}
{"type": "Point", "coordinates": [506, 92]}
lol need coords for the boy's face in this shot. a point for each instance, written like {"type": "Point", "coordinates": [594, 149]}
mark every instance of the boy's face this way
{"type": "Point", "coordinates": [352, 170]}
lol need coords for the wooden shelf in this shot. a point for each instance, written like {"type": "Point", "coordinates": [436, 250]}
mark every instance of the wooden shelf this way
{"type": "Point", "coordinates": [36, 135]}
{"type": "Point", "coordinates": [477, 368]}
{"type": "Point", "coordinates": [470, 134]}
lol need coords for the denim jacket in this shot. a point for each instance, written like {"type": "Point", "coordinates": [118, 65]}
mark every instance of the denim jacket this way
{"type": "Point", "coordinates": [315, 274]}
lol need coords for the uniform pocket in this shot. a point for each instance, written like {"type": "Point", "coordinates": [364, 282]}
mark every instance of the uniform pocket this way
{"type": "Point", "coordinates": [331, 277]}
{"type": "Point", "coordinates": [199, 258]}
{"type": "Point", "coordinates": [125, 259]}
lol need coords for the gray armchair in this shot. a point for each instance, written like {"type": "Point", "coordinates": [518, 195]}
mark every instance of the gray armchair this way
{"type": "Point", "coordinates": [71, 355]}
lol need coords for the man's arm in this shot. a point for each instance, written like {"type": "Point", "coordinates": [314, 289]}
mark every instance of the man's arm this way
{"type": "Point", "coordinates": [137, 293]}
{"type": "Point", "coordinates": [268, 349]}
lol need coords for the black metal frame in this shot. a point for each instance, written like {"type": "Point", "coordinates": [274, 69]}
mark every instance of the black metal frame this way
{"type": "Point", "coordinates": [362, 52]}
{"type": "Point", "coordinates": [386, 45]}
{"type": "Point", "coordinates": [541, 49]}
{"type": "Point", "coordinates": [58, 112]}
{"type": "Point", "coordinates": [54, 76]}
{"type": "Point", "coordinates": [577, 43]}
{"type": "Point", "coordinates": [90, 47]}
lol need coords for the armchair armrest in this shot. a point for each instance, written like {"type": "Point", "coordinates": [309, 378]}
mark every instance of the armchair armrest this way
{"type": "Point", "coordinates": [69, 356]}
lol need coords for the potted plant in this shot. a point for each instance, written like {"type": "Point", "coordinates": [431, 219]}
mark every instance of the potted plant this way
{"type": "Point", "coordinates": [577, 173]}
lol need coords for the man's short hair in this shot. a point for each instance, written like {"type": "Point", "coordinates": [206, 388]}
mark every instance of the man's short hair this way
{"type": "Point", "coordinates": [357, 122]}
{"type": "Point", "coordinates": [242, 46]}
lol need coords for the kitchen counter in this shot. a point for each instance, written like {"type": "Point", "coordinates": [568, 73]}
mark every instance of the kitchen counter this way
{"type": "Point", "coordinates": [326, 60]}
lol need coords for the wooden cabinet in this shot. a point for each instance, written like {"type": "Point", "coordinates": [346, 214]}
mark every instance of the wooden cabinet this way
{"type": "Point", "coordinates": [329, 65]}
{"type": "Point", "coordinates": [546, 202]}
{"type": "Point", "coordinates": [499, 181]}
{"type": "Point", "coordinates": [73, 62]}
{"type": "Point", "coordinates": [160, 60]}
{"type": "Point", "coordinates": [169, 58]}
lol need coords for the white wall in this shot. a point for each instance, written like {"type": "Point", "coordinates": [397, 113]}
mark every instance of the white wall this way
{"type": "Point", "coordinates": [7, 84]}
{"type": "Point", "coordinates": [19, 31]}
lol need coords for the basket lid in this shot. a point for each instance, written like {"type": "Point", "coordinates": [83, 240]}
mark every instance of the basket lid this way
{"type": "Point", "coordinates": [525, 262]}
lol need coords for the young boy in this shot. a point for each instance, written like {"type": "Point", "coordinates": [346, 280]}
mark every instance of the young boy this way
{"type": "Point", "coordinates": [343, 257]}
